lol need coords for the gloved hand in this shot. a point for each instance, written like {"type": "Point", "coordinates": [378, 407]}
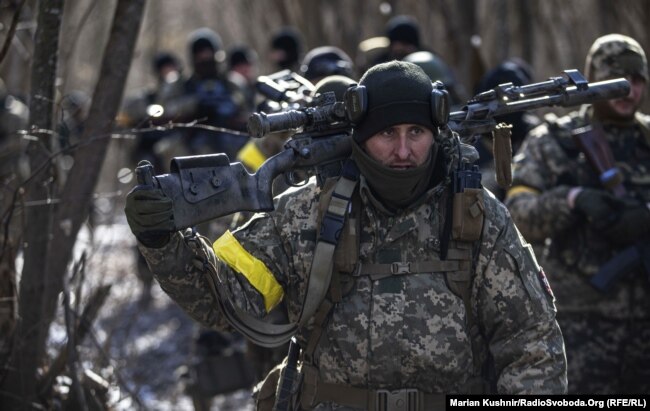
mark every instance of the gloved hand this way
{"type": "Point", "coordinates": [150, 216]}
{"type": "Point", "coordinates": [599, 207]}
{"type": "Point", "coordinates": [632, 223]}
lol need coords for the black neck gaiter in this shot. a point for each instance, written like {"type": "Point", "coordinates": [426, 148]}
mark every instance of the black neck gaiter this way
{"type": "Point", "coordinates": [395, 188]}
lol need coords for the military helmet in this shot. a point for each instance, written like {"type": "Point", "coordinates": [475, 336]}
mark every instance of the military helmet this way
{"type": "Point", "coordinates": [433, 65]}
{"type": "Point", "coordinates": [326, 61]}
{"type": "Point", "coordinates": [337, 84]}
{"type": "Point", "coordinates": [615, 55]}
{"type": "Point", "coordinates": [289, 40]}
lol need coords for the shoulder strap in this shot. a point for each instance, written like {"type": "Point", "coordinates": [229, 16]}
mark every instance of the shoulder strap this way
{"type": "Point", "coordinates": [460, 283]}
{"type": "Point", "coordinates": [644, 124]}
{"type": "Point", "coordinates": [331, 227]}
{"type": "Point", "coordinates": [261, 332]}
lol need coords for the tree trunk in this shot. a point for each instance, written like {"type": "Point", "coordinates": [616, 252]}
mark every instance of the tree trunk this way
{"type": "Point", "coordinates": [19, 381]}
{"type": "Point", "coordinates": [526, 27]}
{"type": "Point", "coordinates": [465, 12]}
{"type": "Point", "coordinates": [502, 31]}
{"type": "Point", "coordinates": [46, 261]}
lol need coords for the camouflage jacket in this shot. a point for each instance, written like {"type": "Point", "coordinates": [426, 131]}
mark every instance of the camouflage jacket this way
{"type": "Point", "coordinates": [401, 331]}
{"type": "Point", "coordinates": [546, 167]}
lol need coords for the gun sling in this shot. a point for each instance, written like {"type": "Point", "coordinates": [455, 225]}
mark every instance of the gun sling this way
{"type": "Point", "coordinates": [271, 335]}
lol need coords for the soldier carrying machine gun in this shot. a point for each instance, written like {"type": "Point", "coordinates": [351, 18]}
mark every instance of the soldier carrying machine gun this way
{"type": "Point", "coordinates": [330, 140]}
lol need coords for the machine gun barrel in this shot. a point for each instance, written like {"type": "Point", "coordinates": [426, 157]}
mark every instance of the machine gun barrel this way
{"type": "Point", "coordinates": [477, 117]}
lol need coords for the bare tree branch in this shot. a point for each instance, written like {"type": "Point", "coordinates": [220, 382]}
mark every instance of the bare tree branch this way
{"type": "Point", "coordinates": [11, 32]}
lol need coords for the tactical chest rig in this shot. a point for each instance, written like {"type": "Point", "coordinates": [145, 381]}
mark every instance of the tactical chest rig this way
{"type": "Point", "coordinates": [337, 252]}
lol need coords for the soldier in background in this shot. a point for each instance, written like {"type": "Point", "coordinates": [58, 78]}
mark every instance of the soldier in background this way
{"type": "Point", "coordinates": [149, 107]}
{"type": "Point", "coordinates": [209, 98]}
{"type": "Point", "coordinates": [438, 70]}
{"type": "Point", "coordinates": [596, 227]}
{"type": "Point", "coordinates": [286, 49]}
{"type": "Point", "coordinates": [242, 72]}
{"type": "Point", "coordinates": [324, 61]}
{"type": "Point", "coordinates": [517, 72]}
{"type": "Point", "coordinates": [403, 33]}
{"type": "Point", "coordinates": [369, 50]}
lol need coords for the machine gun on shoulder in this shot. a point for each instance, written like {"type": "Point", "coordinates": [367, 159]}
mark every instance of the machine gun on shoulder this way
{"type": "Point", "coordinates": [206, 187]}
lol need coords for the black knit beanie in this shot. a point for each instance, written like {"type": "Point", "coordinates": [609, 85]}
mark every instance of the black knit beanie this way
{"type": "Point", "coordinates": [398, 93]}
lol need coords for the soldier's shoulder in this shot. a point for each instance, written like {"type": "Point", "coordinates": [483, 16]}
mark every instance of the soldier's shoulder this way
{"type": "Point", "coordinates": [495, 211]}
{"type": "Point", "coordinates": [556, 131]}
{"type": "Point", "coordinates": [299, 198]}
{"type": "Point", "coordinates": [558, 126]}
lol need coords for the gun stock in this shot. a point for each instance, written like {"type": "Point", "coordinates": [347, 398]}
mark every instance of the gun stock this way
{"type": "Point", "coordinates": [592, 142]}
{"type": "Point", "coordinates": [206, 187]}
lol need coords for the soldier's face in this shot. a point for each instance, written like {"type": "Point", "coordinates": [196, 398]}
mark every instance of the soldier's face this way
{"type": "Point", "coordinates": [622, 109]}
{"type": "Point", "coordinates": [401, 146]}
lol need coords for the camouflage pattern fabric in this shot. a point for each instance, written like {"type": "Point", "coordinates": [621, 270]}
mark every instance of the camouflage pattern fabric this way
{"type": "Point", "coordinates": [612, 343]}
{"type": "Point", "coordinates": [544, 170]}
{"type": "Point", "coordinates": [404, 331]}
{"type": "Point", "coordinates": [615, 55]}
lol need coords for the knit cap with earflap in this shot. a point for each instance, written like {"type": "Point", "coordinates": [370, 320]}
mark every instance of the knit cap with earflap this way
{"type": "Point", "coordinates": [398, 93]}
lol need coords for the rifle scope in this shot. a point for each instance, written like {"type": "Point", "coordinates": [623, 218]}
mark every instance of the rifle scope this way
{"type": "Point", "coordinates": [312, 118]}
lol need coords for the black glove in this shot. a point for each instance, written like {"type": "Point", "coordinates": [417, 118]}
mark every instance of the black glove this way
{"type": "Point", "coordinates": [150, 216]}
{"type": "Point", "coordinates": [632, 223]}
{"type": "Point", "coordinates": [599, 207]}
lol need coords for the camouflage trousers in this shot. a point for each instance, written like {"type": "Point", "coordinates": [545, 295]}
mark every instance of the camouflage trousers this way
{"type": "Point", "coordinates": [606, 356]}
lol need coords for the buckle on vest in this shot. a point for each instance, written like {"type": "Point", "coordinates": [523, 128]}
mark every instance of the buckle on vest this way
{"type": "Point", "coordinates": [331, 227]}
{"type": "Point", "coordinates": [400, 268]}
{"type": "Point", "coordinates": [406, 399]}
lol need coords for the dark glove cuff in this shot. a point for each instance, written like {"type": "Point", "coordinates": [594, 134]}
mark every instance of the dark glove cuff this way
{"type": "Point", "coordinates": [154, 239]}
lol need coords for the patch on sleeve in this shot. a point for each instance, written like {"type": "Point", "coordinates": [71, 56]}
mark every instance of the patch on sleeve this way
{"type": "Point", "coordinates": [544, 282]}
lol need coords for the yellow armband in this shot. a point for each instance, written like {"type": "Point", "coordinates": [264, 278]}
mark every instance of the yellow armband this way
{"type": "Point", "coordinates": [230, 251]}
{"type": "Point", "coordinates": [516, 190]}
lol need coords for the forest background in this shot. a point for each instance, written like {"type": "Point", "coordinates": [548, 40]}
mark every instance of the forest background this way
{"type": "Point", "coordinates": [104, 49]}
